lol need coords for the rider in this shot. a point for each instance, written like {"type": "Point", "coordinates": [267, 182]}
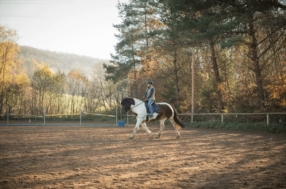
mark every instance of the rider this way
{"type": "Point", "coordinates": [150, 96]}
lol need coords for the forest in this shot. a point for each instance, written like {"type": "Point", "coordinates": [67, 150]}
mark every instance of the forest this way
{"type": "Point", "coordinates": [34, 80]}
{"type": "Point", "coordinates": [234, 51]}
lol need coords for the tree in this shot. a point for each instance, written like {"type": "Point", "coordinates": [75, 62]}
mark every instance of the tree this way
{"type": "Point", "coordinates": [42, 84]}
{"type": "Point", "coordinates": [58, 91]}
{"type": "Point", "coordinates": [77, 88]}
{"type": "Point", "coordinates": [133, 52]}
{"type": "Point", "coordinates": [13, 80]}
{"type": "Point", "coordinates": [107, 92]}
{"type": "Point", "coordinates": [202, 23]}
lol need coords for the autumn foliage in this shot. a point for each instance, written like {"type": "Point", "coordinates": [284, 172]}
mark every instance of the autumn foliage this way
{"type": "Point", "coordinates": [238, 48]}
{"type": "Point", "coordinates": [234, 49]}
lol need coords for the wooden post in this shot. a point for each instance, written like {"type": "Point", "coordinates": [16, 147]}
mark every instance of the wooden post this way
{"type": "Point", "coordinates": [116, 117]}
{"type": "Point", "coordinates": [80, 117]}
{"type": "Point", "coordinates": [127, 121]}
{"type": "Point", "coordinates": [193, 86]}
{"type": "Point", "coordinates": [7, 116]}
{"type": "Point", "coordinates": [44, 116]}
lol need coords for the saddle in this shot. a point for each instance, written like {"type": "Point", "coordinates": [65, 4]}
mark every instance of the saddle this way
{"type": "Point", "coordinates": [155, 107]}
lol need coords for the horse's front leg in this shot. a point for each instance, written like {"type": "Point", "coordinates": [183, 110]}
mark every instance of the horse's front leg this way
{"type": "Point", "coordinates": [143, 124]}
{"type": "Point", "coordinates": [138, 122]}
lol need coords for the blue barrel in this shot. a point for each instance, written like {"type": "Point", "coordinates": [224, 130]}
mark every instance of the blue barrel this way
{"type": "Point", "coordinates": [121, 124]}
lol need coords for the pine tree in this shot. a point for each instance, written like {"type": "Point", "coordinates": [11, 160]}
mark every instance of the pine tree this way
{"type": "Point", "coordinates": [203, 24]}
{"type": "Point", "coordinates": [133, 53]}
{"type": "Point", "coordinates": [224, 24]}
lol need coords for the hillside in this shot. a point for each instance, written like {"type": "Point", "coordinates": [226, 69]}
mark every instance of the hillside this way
{"type": "Point", "coordinates": [57, 61]}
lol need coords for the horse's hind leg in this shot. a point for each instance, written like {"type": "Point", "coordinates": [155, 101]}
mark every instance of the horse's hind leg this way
{"type": "Point", "coordinates": [175, 127]}
{"type": "Point", "coordinates": [162, 126]}
{"type": "Point", "coordinates": [147, 130]}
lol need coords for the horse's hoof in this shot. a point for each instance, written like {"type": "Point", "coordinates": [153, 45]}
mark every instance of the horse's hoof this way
{"type": "Point", "coordinates": [178, 136]}
{"type": "Point", "coordinates": [158, 136]}
{"type": "Point", "coordinates": [131, 137]}
{"type": "Point", "coordinates": [151, 137]}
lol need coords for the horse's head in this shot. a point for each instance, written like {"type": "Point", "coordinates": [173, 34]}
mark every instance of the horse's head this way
{"type": "Point", "coordinates": [126, 103]}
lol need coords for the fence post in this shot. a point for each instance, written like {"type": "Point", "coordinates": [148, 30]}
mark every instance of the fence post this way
{"type": "Point", "coordinates": [80, 114]}
{"type": "Point", "coordinates": [7, 116]}
{"type": "Point", "coordinates": [221, 118]}
{"type": "Point", "coordinates": [192, 117]}
{"type": "Point", "coordinates": [127, 120]}
{"type": "Point", "coordinates": [116, 117]}
{"type": "Point", "coordinates": [44, 116]}
{"type": "Point", "coordinates": [267, 118]}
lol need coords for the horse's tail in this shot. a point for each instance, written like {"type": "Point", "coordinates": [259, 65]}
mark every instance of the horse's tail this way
{"type": "Point", "coordinates": [176, 119]}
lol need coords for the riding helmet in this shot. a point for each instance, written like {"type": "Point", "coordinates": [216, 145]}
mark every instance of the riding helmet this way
{"type": "Point", "coordinates": [149, 82]}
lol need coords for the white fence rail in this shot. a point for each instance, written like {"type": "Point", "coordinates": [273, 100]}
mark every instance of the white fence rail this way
{"type": "Point", "coordinates": [5, 119]}
{"type": "Point", "coordinates": [223, 115]}
{"type": "Point", "coordinates": [37, 120]}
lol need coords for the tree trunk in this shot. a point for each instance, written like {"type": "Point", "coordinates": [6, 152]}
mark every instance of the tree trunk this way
{"type": "Point", "coordinates": [135, 84]}
{"type": "Point", "coordinates": [217, 76]}
{"type": "Point", "coordinates": [255, 60]}
{"type": "Point", "coordinates": [176, 77]}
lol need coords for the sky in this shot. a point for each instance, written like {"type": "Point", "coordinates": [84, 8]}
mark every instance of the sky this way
{"type": "Point", "coordinates": [83, 27]}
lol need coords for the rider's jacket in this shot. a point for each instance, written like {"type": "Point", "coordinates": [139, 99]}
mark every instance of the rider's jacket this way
{"type": "Point", "coordinates": [150, 93]}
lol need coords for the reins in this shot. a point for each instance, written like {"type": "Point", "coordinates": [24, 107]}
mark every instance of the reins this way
{"type": "Point", "coordinates": [137, 105]}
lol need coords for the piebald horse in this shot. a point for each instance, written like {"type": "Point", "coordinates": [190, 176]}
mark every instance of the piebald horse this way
{"type": "Point", "coordinates": [139, 109]}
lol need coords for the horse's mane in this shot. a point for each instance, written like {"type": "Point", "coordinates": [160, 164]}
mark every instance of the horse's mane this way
{"type": "Point", "coordinates": [132, 98]}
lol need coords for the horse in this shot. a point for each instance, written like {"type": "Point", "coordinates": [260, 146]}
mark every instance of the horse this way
{"type": "Point", "coordinates": [166, 111]}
